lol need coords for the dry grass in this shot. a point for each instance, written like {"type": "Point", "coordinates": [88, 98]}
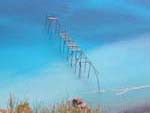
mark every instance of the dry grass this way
{"type": "Point", "coordinates": [65, 108]}
{"type": "Point", "coordinates": [24, 107]}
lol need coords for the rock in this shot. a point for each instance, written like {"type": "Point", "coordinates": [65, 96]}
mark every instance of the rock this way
{"type": "Point", "coordinates": [77, 102]}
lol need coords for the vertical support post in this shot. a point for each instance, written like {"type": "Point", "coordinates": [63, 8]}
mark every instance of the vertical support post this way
{"type": "Point", "coordinates": [98, 82]}
{"type": "Point", "coordinates": [80, 68]}
{"type": "Point", "coordinates": [60, 44]}
{"type": "Point", "coordinates": [64, 45]}
{"type": "Point", "coordinates": [46, 23]}
{"type": "Point", "coordinates": [76, 60]}
{"type": "Point", "coordinates": [57, 29]}
{"type": "Point", "coordinates": [68, 54]}
{"type": "Point", "coordinates": [64, 41]}
{"type": "Point", "coordinates": [72, 53]}
{"type": "Point", "coordinates": [89, 70]}
{"type": "Point", "coordinates": [49, 25]}
{"type": "Point", "coordinates": [85, 66]}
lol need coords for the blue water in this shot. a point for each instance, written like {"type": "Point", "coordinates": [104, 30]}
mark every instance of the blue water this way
{"type": "Point", "coordinates": [115, 35]}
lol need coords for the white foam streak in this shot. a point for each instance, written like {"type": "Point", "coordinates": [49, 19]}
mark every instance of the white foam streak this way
{"type": "Point", "coordinates": [118, 92]}
{"type": "Point", "coordinates": [126, 90]}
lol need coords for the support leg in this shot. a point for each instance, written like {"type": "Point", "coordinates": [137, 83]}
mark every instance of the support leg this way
{"type": "Point", "coordinates": [76, 60]}
{"type": "Point", "coordinates": [68, 55]}
{"type": "Point", "coordinates": [60, 45]}
{"type": "Point", "coordinates": [46, 23]}
{"type": "Point", "coordinates": [49, 25]}
{"type": "Point", "coordinates": [89, 70]}
{"type": "Point", "coordinates": [57, 31]}
{"type": "Point", "coordinates": [80, 69]}
{"type": "Point", "coordinates": [72, 53]}
{"type": "Point", "coordinates": [63, 46]}
{"type": "Point", "coordinates": [85, 66]}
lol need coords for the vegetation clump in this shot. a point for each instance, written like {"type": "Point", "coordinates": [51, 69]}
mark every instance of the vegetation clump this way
{"type": "Point", "coordinates": [23, 108]}
{"type": "Point", "coordinates": [74, 106]}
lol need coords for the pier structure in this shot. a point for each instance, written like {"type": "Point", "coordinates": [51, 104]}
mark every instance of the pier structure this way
{"type": "Point", "coordinates": [75, 56]}
{"type": "Point", "coordinates": [52, 21]}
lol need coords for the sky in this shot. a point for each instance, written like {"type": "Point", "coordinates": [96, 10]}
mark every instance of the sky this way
{"type": "Point", "coordinates": [106, 20]}
{"type": "Point", "coordinates": [114, 34]}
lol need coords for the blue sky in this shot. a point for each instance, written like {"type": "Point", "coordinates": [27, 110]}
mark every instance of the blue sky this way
{"type": "Point", "coordinates": [105, 20]}
{"type": "Point", "coordinates": [114, 34]}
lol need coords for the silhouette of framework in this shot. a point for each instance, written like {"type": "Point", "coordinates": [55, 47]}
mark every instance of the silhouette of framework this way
{"type": "Point", "coordinates": [75, 56]}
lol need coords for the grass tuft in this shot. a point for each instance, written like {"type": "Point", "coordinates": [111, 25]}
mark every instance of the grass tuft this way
{"type": "Point", "coordinates": [24, 107]}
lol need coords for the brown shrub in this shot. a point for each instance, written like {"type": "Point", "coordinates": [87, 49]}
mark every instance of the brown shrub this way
{"type": "Point", "coordinates": [3, 111]}
{"type": "Point", "coordinates": [23, 108]}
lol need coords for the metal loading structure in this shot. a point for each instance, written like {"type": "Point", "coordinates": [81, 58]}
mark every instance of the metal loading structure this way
{"type": "Point", "coordinates": [75, 56]}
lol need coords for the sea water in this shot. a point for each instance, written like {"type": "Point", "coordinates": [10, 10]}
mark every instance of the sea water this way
{"type": "Point", "coordinates": [114, 35]}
